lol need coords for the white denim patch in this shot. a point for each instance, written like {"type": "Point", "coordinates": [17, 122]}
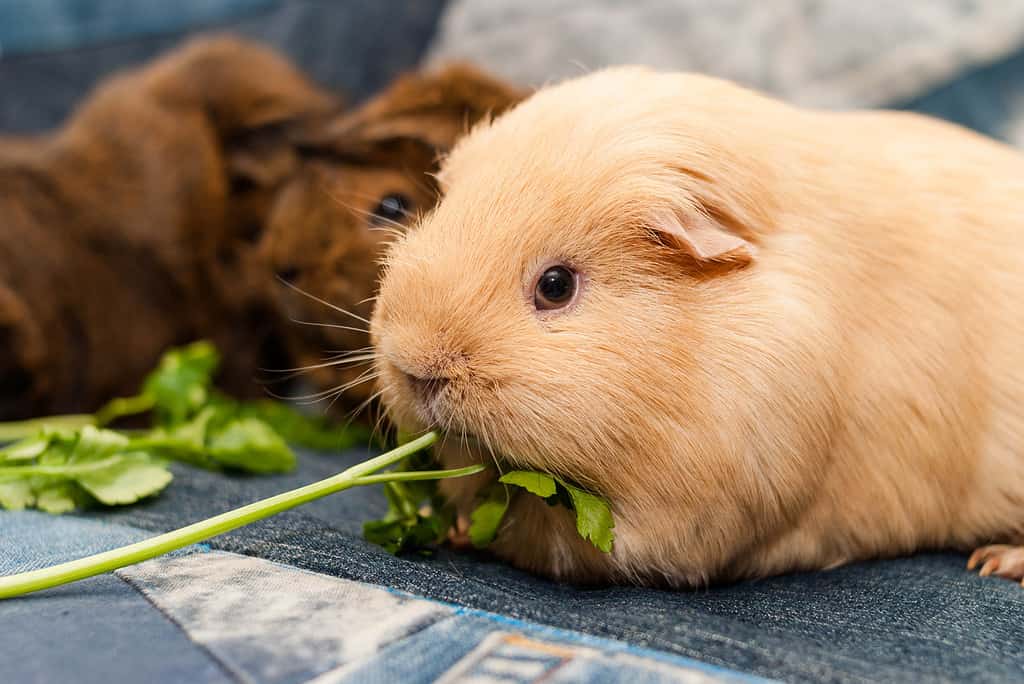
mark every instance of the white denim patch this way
{"type": "Point", "coordinates": [268, 622]}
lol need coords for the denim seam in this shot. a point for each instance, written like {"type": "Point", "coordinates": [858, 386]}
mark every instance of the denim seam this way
{"type": "Point", "coordinates": [234, 676]}
{"type": "Point", "coordinates": [670, 649]}
{"type": "Point", "coordinates": [699, 660]}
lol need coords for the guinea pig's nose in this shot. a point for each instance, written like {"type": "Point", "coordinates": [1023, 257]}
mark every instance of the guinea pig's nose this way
{"type": "Point", "coordinates": [288, 274]}
{"type": "Point", "coordinates": [426, 388]}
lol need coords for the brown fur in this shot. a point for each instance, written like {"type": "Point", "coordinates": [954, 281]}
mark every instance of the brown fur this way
{"type": "Point", "coordinates": [322, 233]}
{"type": "Point", "coordinates": [127, 231]}
{"type": "Point", "coordinates": [798, 342]}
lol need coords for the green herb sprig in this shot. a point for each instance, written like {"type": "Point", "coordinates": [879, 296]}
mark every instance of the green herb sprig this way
{"type": "Point", "coordinates": [361, 474]}
{"type": "Point", "coordinates": [61, 463]}
{"type": "Point", "coordinates": [418, 518]}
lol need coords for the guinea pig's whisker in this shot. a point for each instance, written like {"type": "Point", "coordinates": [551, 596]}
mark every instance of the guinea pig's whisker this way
{"type": "Point", "coordinates": [390, 231]}
{"type": "Point", "coordinates": [372, 198]}
{"type": "Point", "coordinates": [314, 397]}
{"type": "Point", "coordinates": [345, 353]}
{"type": "Point", "coordinates": [344, 388]}
{"type": "Point", "coordinates": [302, 371]}
{"type": "Point", "coordinates": [330, 325]}
{"type": "Point", "coordinates": [362, 406]}
{"type": "Point", "coordinates": [383, 414]}
{"type": "Point", "coordinates": [370, 215]}
{"type": "Point", "coordinates": [325, 364]}
{"type": "Point", "coordinates": [323, 301]}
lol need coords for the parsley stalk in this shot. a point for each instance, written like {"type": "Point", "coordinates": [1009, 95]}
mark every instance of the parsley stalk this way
{"type": "Point", "coordinates": [364, 473]}
{"type": "Point", "coordinates": [19, 429]}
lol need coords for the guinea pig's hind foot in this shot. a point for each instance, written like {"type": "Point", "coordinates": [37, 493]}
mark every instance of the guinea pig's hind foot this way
{"type": "Point", "coordinates": [1001, 560]}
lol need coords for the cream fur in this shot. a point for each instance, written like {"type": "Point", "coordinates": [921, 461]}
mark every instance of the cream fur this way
{"type": "Point", "coordinates": [854, 392]}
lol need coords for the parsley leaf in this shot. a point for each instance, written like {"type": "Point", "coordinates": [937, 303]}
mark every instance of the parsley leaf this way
{"type": "Point", "coordinates": [67, 470]}
{"type": "Point", "coordinates": [539, 484]}
{"type": "Point", "coordinates": [593, 517]}
{"type": "Point", "coordinates": [311, 432]}
{"type": "Point", "coordinates": [487, 516]}
{"type": "Point", "coordinates": [593, 514]}
{"type": "Point", "coordinates": [180, 385]}
{"type": "Point", "coordinates": [416, 519]}
{"type": "Point", "coordinates": [252, 445]}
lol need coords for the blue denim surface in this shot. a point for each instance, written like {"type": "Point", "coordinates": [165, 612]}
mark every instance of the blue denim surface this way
{"type": "Point", "coordinates": [989, 100]}
{"type": "Point", "coordinates": [208, 616]}
{"type": "Point", "coordinates": [352, 46]}
{"type": "Point", "coordinates": [94, 631]}
{"type": "Point", "coordinates": [908, 619]}
{"type": "Point", "coordinates": [45, 25]}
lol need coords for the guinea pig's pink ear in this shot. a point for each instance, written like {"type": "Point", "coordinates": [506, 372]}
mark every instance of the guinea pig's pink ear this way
{"type": "Point", "coordinates": [705, 239]}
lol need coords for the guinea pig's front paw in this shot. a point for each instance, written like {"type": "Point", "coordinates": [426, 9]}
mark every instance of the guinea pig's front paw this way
{"type": "Point", "coordinates": [1001, 560]}
{"type": "Point", "coordinates": [542, 539]}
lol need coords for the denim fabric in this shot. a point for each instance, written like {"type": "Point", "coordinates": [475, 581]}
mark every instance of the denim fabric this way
{"type": "Point", "coordinates": [908, 619]}
{"type": "Point", "coordinates": [478, 647]}
{"type": "Point", "coordinates": [97, 631]}
{"type": "Point", "coordinates": [989, 100]}
{"type": "Point", "coordinates": [355, 47]}
{"type": "Point", "coordinates": [267, 622]}
{"type": "Point", "coordinates": [44, 25]}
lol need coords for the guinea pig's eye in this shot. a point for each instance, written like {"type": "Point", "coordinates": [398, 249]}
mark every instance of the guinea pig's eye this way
{"type": "Point", "coordinates": [555, 288]}
{"type": "Point", "coordinates": [393, 208]}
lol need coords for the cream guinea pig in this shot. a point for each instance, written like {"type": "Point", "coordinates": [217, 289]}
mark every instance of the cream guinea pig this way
{"type": "Point", "coordinates": [773, 338]}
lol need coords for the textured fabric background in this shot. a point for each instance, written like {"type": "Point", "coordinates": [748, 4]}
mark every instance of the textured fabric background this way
{"type": "Point", "coordinates": [352, 46]}
{"type": "Point", "coordinates": [834, 53]}
{"type": "Point", "coordinates": [914, 619]}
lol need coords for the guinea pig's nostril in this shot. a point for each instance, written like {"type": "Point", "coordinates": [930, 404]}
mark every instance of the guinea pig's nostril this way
{"type": "Point", "coordinates": [288, 274]}
{"type": "Point", "coordinates": [426, 388]}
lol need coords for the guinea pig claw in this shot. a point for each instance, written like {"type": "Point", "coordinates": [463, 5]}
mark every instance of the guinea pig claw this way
{"type": "Point", "coordinates": [458, 534]}
{"type": "Point", "coordinates": [1001, 560]}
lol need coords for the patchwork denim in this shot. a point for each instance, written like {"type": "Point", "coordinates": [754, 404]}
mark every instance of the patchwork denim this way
{"type": "Point", "coordinates": [911, 619]}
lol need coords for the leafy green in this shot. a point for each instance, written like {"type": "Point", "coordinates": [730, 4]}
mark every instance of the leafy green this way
{"type": "Point", "coordinates": [417, 517]}
{"type": "Point", "coordinates": [63, 462]}
{"type": "Point", "coordinates": [181, 384]}
{"type": "Point", "coordinates": [16, 494]}
{"type": "Point", "coordinates": [539, 484]}
{"type": "Point", "coordinates": [487, 516]}
{"type": "Point", "coordinates": [365, 473]}
{"type": "Point", "coordinates": [408, 527]}
{"type": "Point", "coordinates": [69, 469]}
{"type": "Point", "coordinates": [593, 517]}
{"type": "Point", "coordinates": [593, 514]}
{"type": "Point", "coordinates": [311, 432]}
{"type": "Point", "coordinates": [251, 444]}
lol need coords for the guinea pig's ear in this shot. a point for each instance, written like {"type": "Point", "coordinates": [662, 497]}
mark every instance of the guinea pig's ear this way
{"type": "Point", "coordinates": [249, 95]}
{"type": "Point", "coordinates": [435, 109]}
{"type": "Point", "coordinates": [705, 238]}
{"type": "Point", "coordinates": [238, 84]}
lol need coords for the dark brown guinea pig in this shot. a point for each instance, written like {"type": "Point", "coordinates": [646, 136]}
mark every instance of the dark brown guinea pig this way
{"type": "Point", "coordinates": [132, 228]}
{"type": "Point", "coordinates": [364, 177]}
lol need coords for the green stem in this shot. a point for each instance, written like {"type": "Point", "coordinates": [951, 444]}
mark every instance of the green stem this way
{"type": "Point", "coordinates": [358, 475]}
{"type": "Point", "coordinates": [16, 472]}
{"type": "Point", "coordinates": [125, 406]}
{"type": "Point", "coordinates": [421, 475]}
{"type": "Point", "coordinates": [19, 429]}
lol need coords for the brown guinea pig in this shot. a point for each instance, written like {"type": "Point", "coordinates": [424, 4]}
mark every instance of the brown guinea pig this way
{"type": "Point", "coordinates": [773, 338]}
{"type": "Point", "coordinates": [130, 229]}
{"type": "Point", "coordinates": [363, 178]}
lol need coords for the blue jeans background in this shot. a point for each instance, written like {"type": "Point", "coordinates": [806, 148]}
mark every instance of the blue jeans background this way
{"type": "Point", "coordinates": [914, 619]}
